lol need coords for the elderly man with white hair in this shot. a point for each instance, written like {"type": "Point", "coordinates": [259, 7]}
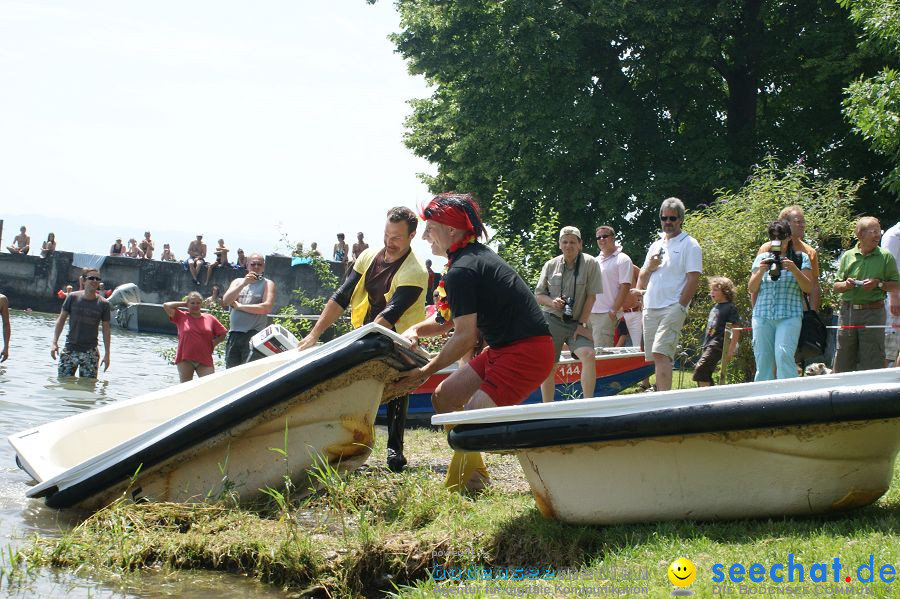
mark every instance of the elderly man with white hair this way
{"type": "Point", "coordinates": [866, 274]}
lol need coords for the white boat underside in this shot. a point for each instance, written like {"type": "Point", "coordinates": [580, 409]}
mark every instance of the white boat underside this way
{"type": "Point", "coordinates": [796, 470]}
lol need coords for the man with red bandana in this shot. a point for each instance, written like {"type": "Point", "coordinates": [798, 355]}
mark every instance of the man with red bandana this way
{"type": "Point", "coordinates": [480, 293]}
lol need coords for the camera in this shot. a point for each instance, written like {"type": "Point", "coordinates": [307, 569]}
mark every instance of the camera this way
{"type": "Point", "coordinates": [775, 263]}
{"type": "Point", "coordinates": [567, 309]}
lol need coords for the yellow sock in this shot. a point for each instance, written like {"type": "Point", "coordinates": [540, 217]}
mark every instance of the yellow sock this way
{"type": "Point", "coordinates": [463, 465]}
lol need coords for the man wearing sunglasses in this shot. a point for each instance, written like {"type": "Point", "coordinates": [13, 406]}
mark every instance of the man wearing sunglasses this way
{"type": "Point", "coordinates": [671, 274]}
{"type": "Point", "coordinates": [250, 299]}
{"type": "Point", "coordinates": [616, 273]}
{"type": "Point", "coordinates": [85, 310]}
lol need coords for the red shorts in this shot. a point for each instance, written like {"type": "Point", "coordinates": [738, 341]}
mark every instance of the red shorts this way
{"type": "Point", "coordinates": [510, 373]}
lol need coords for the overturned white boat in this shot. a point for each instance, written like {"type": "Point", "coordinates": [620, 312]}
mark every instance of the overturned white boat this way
{"type": "Point", "coordinates": [215, 435]}
{"type": "Point", "coordinates": [792, 447]}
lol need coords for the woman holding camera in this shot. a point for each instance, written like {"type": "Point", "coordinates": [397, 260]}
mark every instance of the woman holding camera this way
{"type": "Point", "coordinates": [779, 279]}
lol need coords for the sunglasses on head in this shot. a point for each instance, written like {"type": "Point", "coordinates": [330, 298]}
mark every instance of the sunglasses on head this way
{"type": "Point", "coordinates": [599, 237]}
{"type": "Point", "coordinates": [671, 219]}
{"type": "Point", "coordinates": [92, 278]}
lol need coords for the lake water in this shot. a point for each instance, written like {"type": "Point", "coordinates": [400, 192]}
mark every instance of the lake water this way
{"type": "Point", "coordinates": [31, 394]}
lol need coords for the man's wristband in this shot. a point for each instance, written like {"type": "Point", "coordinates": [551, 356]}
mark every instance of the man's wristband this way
{"type": "Point", "coordinates": [586, 325]}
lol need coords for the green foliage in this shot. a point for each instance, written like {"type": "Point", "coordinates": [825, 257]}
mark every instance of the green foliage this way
{"type": "Point", "coordinates": [599, 109]}
{"type": "Point", "coordinates": [731, 230]}
{"type": "Point", "coordinates": [525, 252]}
{"type": "Point", "coordinates": [872, 104]}
{"type": "Point", "coordinates": [312, 305]}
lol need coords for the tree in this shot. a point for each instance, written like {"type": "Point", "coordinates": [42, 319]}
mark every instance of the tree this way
{"type": "Point", "coordinates": [525, 253]}
{"type": "Point", "coordinates": [872, 104]}
{"type": "Point", "coordinates": [602, 108]}
{"type": "Point", "coordinates": [731, 229]}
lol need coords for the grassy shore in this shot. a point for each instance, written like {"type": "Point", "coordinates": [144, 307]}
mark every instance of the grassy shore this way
{"type": "Point", "coordinates": [374, 533]}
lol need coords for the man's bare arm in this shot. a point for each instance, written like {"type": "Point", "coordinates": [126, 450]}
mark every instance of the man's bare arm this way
{"type": "Point", "coordinates": [690, 288]}
{"type": "Point", "coordinates": [267, 304]}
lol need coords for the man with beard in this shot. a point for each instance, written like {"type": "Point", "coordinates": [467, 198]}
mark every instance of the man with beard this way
{"type": "Point", "coordinates": [386, 286]}
{"type": "Point", "coordinates": [671, 274]}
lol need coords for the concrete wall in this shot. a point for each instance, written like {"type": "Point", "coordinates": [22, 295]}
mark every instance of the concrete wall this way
{"type": "Point", "coordinates": [32, 282]}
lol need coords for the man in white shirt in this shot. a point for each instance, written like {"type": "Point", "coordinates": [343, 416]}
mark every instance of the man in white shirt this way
{"type": "Point", "coordinates": [671, 274]}
{"type": "Point", "coordinates": [891, 242]}
{"type": "Point", "coordinates": [615, 271]}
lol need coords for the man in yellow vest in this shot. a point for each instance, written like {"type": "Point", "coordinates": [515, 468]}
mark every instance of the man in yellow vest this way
{"type": "Point", "coordinates": [387, 286]}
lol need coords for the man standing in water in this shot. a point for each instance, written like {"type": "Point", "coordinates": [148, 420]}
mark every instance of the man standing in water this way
{"type": "Point", "coordinates": [87, 310]}
{"type": "Point", "coordinates": [671, 274]}
{"type": "Point", "coordinates": [480, 292]}
{"type": "Point", "coordinates": [4, 316]}
{"type": "Point", "coordinates": [386, 286]}
{"type": "Point", "coordinates": [250, 298]}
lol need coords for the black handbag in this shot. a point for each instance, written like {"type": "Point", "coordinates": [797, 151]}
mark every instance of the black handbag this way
{"type": "Point", "coordinates": [813, 335]}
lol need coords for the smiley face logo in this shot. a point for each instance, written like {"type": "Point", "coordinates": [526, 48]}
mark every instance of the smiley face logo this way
{"type": "Point", "coordinates": [682, 572]}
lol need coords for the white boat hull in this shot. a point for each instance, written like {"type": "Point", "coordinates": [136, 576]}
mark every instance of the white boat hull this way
{"type": "Point", "coordinates": [740, 474]}
{"type": "Point", "coordinates": [781, 448]}
{"type": "Point", "coordinates": [234, 433]}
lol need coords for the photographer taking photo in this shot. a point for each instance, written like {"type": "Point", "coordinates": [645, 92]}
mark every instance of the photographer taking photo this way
{"type": "Point", "coordinates": [566, 291]}
{"type": "Point", "coordinates": [250, 299]}
{"type": "Point", "coordinates": [780, 276]}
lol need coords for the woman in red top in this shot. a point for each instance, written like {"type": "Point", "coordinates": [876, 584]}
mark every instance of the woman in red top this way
{"type": "Point", "coordinates": [198, 335]}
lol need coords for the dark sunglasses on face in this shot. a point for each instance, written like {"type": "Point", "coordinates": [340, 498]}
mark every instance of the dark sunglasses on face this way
{"type": "Point", "coordinates": [599, 237]}
{"type": "Point", "coordinates": [671, 219]}
{"type": "Point", "coordinates": [256, 264]}
{"type": "Point", "coordinates": [92, 278]}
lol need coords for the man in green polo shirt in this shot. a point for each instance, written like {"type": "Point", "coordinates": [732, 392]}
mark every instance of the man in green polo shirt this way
{"type": "Point", "coordinates": [866, 274]}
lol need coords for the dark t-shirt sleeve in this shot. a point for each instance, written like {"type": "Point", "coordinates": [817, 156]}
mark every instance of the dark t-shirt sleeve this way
{"type": "Point", "coordinates": [462, 289]}
{"type": "Point", "coordinates": [104, 311]}
{"type": "Point", "coordinates": [67, 304]}
{"type": "Point", "coordinates": [733, 315]}
{"type": "Point", "coordinates": [403, 298]}
{"type": "Point", "coordinates": [345, 291]}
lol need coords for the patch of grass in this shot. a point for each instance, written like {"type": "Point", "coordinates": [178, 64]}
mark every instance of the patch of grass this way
{"type": "Point", "coordinates": [374, 532]}
{"type": "Point", "coordinates": [681, 379]}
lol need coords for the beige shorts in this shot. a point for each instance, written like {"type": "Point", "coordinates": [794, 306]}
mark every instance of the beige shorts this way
{"type": "Point", "coordinates": [603, 329]}
{"type": "Point", "coordinates": [661, 329]}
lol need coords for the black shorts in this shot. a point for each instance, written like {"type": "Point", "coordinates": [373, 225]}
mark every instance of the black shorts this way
{"type": "Point", "coordinates": [707, 364]}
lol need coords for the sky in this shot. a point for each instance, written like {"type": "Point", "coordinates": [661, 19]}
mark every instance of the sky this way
{"type": "Point", "coordinates": [253, 122]}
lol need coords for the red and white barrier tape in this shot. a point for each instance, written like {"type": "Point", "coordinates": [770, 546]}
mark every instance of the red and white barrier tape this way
{"type": "Point", "coordinates": [842, 326]}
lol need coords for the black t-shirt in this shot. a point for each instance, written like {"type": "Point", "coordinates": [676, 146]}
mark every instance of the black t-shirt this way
{"type": "Point", "coordinates": [84, 318]}
{"type": "Point", "coordinates": [719, 316]}
{"type": "Point", "coordinates": [480, 282]}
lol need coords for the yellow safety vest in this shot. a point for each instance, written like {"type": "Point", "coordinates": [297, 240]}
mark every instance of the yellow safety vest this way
{"type": "Point", "coordinates": [410, 274]}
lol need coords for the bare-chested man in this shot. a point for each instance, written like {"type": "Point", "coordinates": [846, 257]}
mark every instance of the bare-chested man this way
{"type": "Point", "coordinates": [196, 257]}
{"type": "Point", "coordinates": [21, 243]}
{"type": "Point", "coordinates": [221, 253]}
{"type": "Point", "coordinates": [360, 246]}
{"type": "Point", "coordinates": [4, 316]}
{"type": "Point", "coordinates": [146, 246]}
